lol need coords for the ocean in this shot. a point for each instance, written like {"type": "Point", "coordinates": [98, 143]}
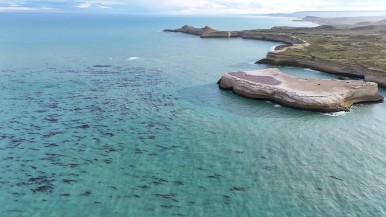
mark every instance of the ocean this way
{"type": "Point", "coordinates": [108, 116]}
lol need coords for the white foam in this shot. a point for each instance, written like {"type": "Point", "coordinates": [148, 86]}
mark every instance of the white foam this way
{"type": "Point", "coordinates": [133, 58]}
{"type": "Point", "coordinates": [277, 106]}
{"type": "Point", "coordinates": [335, 114]}
{"type": "Point", "coordinates": [273, 48]}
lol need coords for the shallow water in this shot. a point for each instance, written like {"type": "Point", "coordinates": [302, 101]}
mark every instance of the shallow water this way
{"type": "Point", "coordinates": [110, 116]}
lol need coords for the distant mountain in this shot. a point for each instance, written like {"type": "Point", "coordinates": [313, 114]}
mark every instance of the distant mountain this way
{"type": "Point", "coordinates": [367, 23]}
{"type": "Point", "coordinates": [330, 14]}
{"type": "Point", "coordinates": [338, 18]}
{"type": "Point", "coordinates": [382, 22]}
{"type": "Point", "coordinates": [359, 21]}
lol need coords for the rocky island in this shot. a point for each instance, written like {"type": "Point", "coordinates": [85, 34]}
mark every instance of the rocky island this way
{"type": "Point", "coordinates": [323, 95]}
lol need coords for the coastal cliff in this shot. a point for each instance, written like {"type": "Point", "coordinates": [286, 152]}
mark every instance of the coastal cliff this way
{"type": "Point", "coordinates": [272, 36]}
{"type": "Point", "coordinates": [192, 30]}
{"type": "Point", "coordinates": [328, 66]}
{"type": "Point", "coordinates": [207, 32]}
{"type": "Point", "coordinates": [323, 95]}
{"type": "Point", "coordinates": [359, 50]}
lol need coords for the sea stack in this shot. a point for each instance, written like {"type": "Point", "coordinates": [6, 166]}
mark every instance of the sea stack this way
{"type": "Point", "coordinates": [322, 95]}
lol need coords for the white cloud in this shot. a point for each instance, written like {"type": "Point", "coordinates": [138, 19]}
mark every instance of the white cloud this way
{"type": "Point", "coordinates": [46, 8]}
{"type": "Point", "coordinates": [252, 6]}
{"type": "Point", "coordinates": [196, 6]}
{"type": "Point", "coordinates": [83, 5]}
{"type": "Point", "coordinates": [102, 6]}
{"type": "Point", "coordinates": [12, 8]}
{"type": "Point", "coordinates": [96, 4]}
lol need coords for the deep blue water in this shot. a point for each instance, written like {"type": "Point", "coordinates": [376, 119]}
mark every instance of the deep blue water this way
{"type": "Point", "coordinates": [150, 133]}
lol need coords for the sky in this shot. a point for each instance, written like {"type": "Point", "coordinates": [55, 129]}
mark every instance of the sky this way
{"type": "Point", "coordinates": [189, 7]}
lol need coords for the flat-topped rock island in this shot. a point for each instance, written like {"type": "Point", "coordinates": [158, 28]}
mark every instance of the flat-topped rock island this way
{"type": "Point", "coordinates": [323, 95]}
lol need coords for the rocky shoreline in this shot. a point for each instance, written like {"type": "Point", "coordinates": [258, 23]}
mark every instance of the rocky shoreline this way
{"type": "Point", "coordinates": [328, 66]}
{"type": "Point", "coordinates": [208, 32]}
{"type": "Point", "coordinates": [278, 58]}
{"type": "Point", "coordinates": [322, 95]}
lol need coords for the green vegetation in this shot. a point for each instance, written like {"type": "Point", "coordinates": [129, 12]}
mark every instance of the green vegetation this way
{"type": "Point", "coordinates": [361, 45]}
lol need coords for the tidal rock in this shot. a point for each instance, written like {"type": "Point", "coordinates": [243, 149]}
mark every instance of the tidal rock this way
{"type": "Point", "coordinates": [323, 95]}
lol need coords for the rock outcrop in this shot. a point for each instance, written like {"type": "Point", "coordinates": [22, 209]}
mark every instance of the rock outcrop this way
{"type": "Point", "coordinates": [328, 66]}
{"type": "Point", "coordinates": [272, 36]}
{"type": "Point", "coordinates": [192, 30]}
{"type": "Point", "coordinates": [208, 32]}
{"type": "Point", "coordinates": [278, 58]}
{"type": "Point", "coordinates": [322, 95]}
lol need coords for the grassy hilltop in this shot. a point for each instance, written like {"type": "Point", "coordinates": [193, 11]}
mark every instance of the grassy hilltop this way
{"type": "Point", "coordinates": [357, 44]}
{"type": "Point", "coordinates": [355, 47]}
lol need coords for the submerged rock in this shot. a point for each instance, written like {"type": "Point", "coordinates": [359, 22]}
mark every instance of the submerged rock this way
{"type": "Point", "coordinates": [322, 95]}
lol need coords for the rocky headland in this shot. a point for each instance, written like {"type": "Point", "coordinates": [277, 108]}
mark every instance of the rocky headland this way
{"type": "Point", "coordinates": [329, 66]}
{"type": "Point", "coordinates": [207, 32]}
{"type": "Point", "coordinates": [357, 52]}
{"type": "Point", "coordinates": [323, 95]}
{"type": "Point", "coordinates": [192, 30]}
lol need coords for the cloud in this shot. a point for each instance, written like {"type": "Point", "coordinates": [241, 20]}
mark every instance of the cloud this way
{"type": "Point", "coordinates": [251, 6]}
{"type": "Point", "coordinates": [20, 6]}
{"type": "Point", "coordinates": [199, 6]}
{"type": "Point", "coordinates": [191, 6]}
{"type": "Point", "coordinates": [23, 6]}
{"type": "Point", "coordinates": [85, 5]}
{"type": "Point", "coordinates": [16, 8]}
{"type": "Point", "coordinates": [102, 6]}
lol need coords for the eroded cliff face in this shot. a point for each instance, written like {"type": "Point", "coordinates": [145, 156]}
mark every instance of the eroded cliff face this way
{"type": "Point", "coordinates": [279, 37]}
{"type": "Point", "coordinates": [221, 34]}
{"type": "Point", "coordinates": [376, 76]}
{"type": "Point", "coordinates": [306, 94]}
{"type": "Point", "coordinates": [207, 32]}
{"type": "Point", "coordinates": [192, 30]}
{"type": "Point", "coordinates": [328, 66]}
{"type": "Point", "coordinates": [279, 58]}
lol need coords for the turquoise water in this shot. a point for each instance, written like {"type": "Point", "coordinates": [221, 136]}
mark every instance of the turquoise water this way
{"type": "Point", "coordinates": [110, 116]}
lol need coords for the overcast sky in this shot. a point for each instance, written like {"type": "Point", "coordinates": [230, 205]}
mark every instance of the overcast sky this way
{"type": "Point", "coordinates": [190, 6]}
